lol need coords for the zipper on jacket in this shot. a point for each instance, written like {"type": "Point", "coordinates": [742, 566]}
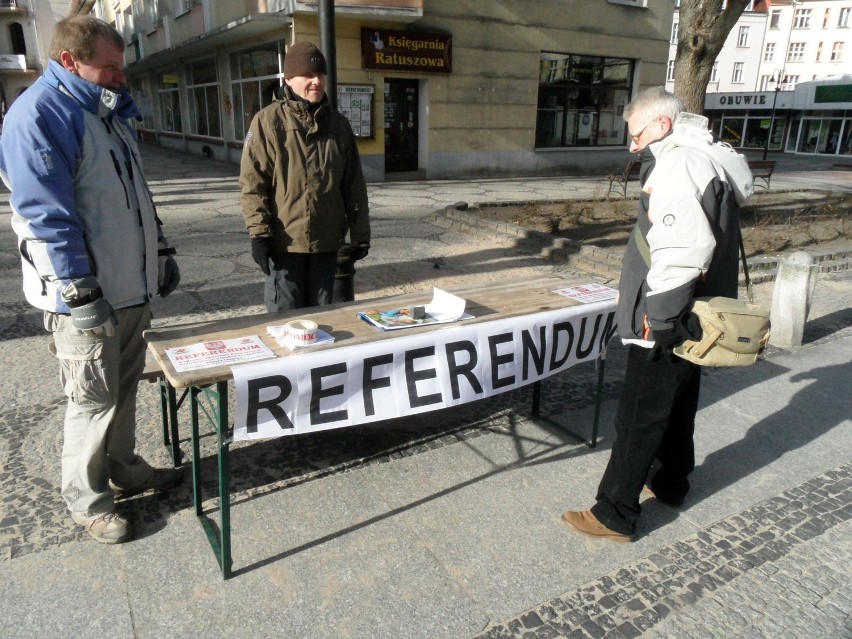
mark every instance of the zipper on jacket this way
{"type": "Point", "coordinates": [117, 166]}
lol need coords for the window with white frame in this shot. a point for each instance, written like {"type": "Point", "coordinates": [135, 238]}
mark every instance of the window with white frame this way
{"type": "Point", "coordinates": [675, 27]}
{"type": "Point", "coordinates": [152, 15]}
{"type": "Point", "coordinates": [843, 18]}
{"type": "Point", "coordinates": [837, 52]}
{"type": "Point", "coordinates": [670, 68]}
{"type": "Point", "coordinates": [790, 82]}
{"type": "Point", "coordinates": [255, 75]}
{"type": "Point", "coordinates": [802, 19]}
{"type": "Point", "coordinates": [775, 19]}
{"type": "Point", "coordinates": [819, 52]}
{"type": "Point", "coordinates": [714, 72]}
{"type": "Point", "coordinates": [769, 52]}
{"type": "Point", "coordinates": [742, 37]}
{"type": "Point", "coordinates": [765, 81]}
{"type": "Point", "coordinates": [796, 52]}
{"type": "Point", "coordinates": [169, 99]}
{"type": "Point", "coordinates": [737, 75]}
{"type": "Point", "coordinates": [825, 17]}
{"type": "Point", "coordinates": [202, 90]}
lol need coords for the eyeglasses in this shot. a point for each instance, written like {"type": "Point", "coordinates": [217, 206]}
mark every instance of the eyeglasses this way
{"type": "Point", "coordinates": [635, 136]}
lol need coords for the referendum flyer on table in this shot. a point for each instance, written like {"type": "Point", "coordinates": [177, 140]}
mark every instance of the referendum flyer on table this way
{"type": "Point", "coordinates": [225, 352]}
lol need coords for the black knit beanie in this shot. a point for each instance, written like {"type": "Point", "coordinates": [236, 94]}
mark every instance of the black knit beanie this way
{"type": "Point", "coordinates": [303, 58]}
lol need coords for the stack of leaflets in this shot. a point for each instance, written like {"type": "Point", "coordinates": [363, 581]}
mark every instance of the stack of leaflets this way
{"type": "Point", "coordinates": [443, 308]}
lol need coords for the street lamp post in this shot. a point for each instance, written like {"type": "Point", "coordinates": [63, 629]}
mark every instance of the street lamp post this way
{"type": "Point", "coordinates": [782, 78]}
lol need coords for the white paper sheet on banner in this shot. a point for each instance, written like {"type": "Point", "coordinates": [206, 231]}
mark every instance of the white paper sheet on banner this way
{"type": "Point", "coordinates": [225, 352]}
{"type": "Point", "coordinates": [414, 373]}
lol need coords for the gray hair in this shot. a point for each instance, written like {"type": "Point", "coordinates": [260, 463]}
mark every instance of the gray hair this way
{"type": "Point", "coordinates": [653, 103]}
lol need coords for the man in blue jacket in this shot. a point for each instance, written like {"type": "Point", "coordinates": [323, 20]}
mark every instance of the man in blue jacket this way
{"type": "Point", "coordinates": [684, 245]}
{"type": "Point", "coordinates": [93, 256]}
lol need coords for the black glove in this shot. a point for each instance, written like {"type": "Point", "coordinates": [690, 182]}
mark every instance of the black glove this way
{"type": "Point", "coordinates": [261, 251]}
{"type": "Point", "coordinates": [359, 252]}
{"type": "Point", "coordinates": [90, 312]}
{"type": "Point", "coordinates": [665, 339]}
{"type": "Point", "coordinates": [690, 324]}
{"type": "Point", "coordinates": [94, 317]}
{"type": "Point", "coordinates": [169, 276]}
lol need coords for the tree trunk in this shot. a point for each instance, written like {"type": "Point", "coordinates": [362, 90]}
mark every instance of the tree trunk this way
{"type": "Point", "coordinates": [703, 28]}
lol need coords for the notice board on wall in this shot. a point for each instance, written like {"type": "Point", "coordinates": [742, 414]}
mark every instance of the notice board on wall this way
{"type": "Point", "coordinates": [355, 101]}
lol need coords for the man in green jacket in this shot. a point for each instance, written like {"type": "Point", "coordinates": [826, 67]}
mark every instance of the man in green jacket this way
{"type": "Point", "coordinates": [302, 187]}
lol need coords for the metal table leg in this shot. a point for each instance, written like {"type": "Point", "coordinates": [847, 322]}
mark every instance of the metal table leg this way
{"type": "Point", "coordinates": [593, 439]}
{"type": "Point", "coordinates": [214, 404]}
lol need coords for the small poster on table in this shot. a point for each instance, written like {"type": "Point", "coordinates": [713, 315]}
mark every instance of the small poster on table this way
{"type": "Point", "coordinates": [587, 293]}
{"type": "Point", "coordinates": [224, 352]}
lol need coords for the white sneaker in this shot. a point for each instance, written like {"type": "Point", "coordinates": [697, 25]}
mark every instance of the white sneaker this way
{"type": "Point", "coordinates": [107, 528]}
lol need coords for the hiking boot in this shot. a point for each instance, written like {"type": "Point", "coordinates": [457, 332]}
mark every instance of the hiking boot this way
{"type": "Point", "coordinates": [106, 528]}
{"type": "Point", "coordinates": [586, 523]}
{"type": "Point", "coordinates": [647, 491]}
{"type": "Point", "coordinates": [161, 479]}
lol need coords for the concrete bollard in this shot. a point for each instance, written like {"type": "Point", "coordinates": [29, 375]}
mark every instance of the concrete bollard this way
{"type": "Point", "coordinates": [791, 299]}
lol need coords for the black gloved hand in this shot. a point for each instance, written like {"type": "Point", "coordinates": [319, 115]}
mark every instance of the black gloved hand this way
{"type": "Point", "coordinates": [665, 339]}
{"type": "Point", "coordinates": [359, 252]}
{"type": "Point", "coordinates": [169, 276]}
{"type": "Point", "coordinates": [261, 251]}
{"type": "Point", "coordinates": [690, 324]}
{"type": "Point", "coordinates": [94, 317]}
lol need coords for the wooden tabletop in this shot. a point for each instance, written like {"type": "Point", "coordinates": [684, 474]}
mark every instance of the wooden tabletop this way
{"type": "Point", "coordinates": [486, 301]}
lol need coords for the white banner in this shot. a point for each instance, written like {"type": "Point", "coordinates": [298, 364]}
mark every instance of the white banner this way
{"type": "Point", "coordinates": [416, 373]}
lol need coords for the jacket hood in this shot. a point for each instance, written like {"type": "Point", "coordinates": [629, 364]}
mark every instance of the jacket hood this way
{"type": "Point", "coordinates": [690, 130]}
{"type": "Point", "coordinates": [91, 97]}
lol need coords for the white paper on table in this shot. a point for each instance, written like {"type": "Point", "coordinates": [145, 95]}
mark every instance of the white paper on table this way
{"type": "Point", "coordinates": [445, 307]}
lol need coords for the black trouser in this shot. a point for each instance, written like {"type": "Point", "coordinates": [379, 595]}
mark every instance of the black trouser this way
{"type": "Point", "coordinates": [298, 280]}
{"type": "Point", "coordinates": [655, 419]}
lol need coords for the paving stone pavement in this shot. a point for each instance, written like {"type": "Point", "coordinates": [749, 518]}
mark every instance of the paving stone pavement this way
{"type": "Point", "coordinates": [442, 526]}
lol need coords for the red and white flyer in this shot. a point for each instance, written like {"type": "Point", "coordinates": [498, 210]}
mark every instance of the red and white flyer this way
{"type": "Point", "coordinates": [587, 293]}
{"type": "Point", "coordinates": [225, 352]}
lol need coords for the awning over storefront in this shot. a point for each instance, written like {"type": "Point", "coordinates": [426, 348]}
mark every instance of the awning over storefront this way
{"type": "Point", "coordinates": [252, 25]}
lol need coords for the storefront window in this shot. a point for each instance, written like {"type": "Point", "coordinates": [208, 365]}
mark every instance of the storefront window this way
{"type": "Point", "coordinates": [732, 130]}
{"type": "Point", "coordinates": [581, 100]}
{"type": "Point", "coordinates": [203, 92]}
{"type": "Point", "coordinates": [255, 75]}
{"type": "Point", "coordinates": [143, 101]}
{"type": "Point", "coordinates": [169, 102]}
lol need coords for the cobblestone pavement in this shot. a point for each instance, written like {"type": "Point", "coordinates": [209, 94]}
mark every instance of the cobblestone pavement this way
{"type": "Point", "coordinates": [777, 567]}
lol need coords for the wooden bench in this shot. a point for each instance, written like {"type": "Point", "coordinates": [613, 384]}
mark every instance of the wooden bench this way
{"type": "Point", "coordinates": [618, 181]}
{"type": "Point", "coordinates": [762, 170]}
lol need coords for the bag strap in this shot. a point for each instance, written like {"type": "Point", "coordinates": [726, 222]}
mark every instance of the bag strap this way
{"type": "Point", "coordinates": [749, 289]}
{"type": "Point", "coordinates": [645, 252]}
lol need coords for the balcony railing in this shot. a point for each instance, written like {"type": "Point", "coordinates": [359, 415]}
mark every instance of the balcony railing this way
{"type": "Point", "coordinates": [8, 4]}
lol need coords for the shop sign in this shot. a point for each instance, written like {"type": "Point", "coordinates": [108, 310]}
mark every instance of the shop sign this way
{"type": "Point", "coordinates": [739, 99]}
{"type": "Point", "coordinates": [406, 51]}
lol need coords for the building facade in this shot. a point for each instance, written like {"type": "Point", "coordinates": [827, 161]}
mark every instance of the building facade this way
{"type": "Point", "coordinates": [26, 28]}
{"type": "Point", "coordinates": [781, 82]}
{"type": "Point", "coordinates": [433, 88]}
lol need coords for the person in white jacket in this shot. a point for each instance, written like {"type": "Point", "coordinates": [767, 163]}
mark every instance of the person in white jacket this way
{"type": "Point", "coordinates": [93, 256]}
{"type": "Point", "coordinates": [685, 245]}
